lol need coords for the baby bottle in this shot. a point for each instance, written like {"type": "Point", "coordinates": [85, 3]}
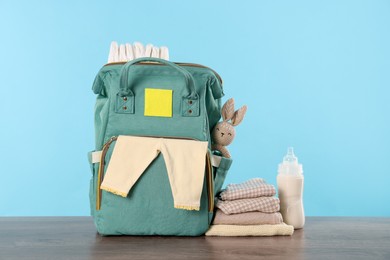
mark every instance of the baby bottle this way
{"type": "Point", "coordinates": [290, 190]}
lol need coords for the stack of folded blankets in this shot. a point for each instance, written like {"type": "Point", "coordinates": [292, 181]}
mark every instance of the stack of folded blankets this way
{"type": "Point", "coordinates": [249, 209]}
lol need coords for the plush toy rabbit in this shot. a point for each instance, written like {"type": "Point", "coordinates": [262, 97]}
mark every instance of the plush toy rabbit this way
{"type": "Point", "coordinates": [224, 132]}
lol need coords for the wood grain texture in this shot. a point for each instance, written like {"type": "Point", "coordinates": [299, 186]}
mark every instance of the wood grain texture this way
{"type": "Point", "coordinates": [76, 238]}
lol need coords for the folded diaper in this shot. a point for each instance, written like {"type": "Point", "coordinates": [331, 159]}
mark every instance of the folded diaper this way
{"type": "Point", "coordinates": [164, 53]}
{"type": "Point", "coordinates": [148, 50]}
{"type": "Point", "coordinates": [252, 188]}
{"type": "Point", "coordinates": [138, 50]}
{"type": "Point", "coordinates": [247, 218]}
{"type": "Point", "coordinates": [184, 159]}
{"type": "Point", "coordinates": [251, 230]}
{"type": "Point", "coordinates": [113, 56]}
{"type": "Point", "coordinates": [262, 204]}
{"type": "Point", "coordinates": [122, 53]}
{"type": "Point", "coordinates": [129, 52]}
{"type": "Point", "coordinates": [155, 52]}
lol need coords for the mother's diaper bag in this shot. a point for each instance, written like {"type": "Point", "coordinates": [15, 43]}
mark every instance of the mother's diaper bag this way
{"type": "Point", "coordinates": [150, 97]}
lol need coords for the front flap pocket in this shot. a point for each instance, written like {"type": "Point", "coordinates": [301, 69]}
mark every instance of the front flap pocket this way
{"type": "Point", "coordinates": [131, 156]}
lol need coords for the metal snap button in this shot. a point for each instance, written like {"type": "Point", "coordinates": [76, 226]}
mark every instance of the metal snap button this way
{"type": "Point", "coordinates": [124, 108]}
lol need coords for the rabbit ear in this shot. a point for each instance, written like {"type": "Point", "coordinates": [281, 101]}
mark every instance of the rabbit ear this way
{"type": "Point", "coordinates": [228, 110]}
{"type": "Point", "coordinates": [239, 115]}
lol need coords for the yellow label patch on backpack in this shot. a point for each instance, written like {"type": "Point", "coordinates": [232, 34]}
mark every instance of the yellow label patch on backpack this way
{"type": "Point", "coordinates": [158, 102]}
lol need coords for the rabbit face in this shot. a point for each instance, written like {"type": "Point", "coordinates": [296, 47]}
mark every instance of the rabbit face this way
{"type": "Point", "coordinates": [223, 133]}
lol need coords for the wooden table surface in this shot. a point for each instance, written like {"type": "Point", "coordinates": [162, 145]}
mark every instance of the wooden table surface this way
{"type": "Point", "coordinates": [76, 238]}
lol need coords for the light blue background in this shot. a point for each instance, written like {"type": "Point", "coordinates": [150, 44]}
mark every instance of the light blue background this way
{"type": "Point", "coordinates": [314, 74]}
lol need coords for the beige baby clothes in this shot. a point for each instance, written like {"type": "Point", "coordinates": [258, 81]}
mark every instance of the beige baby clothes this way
{"type": "Point", "coordinates": [251, 230]}
{"type": "Point", "coordinates": [184, 160]}
{"type": "Point", "coordinates": [247, 218]}
{"type": "Point", "coordinates": [252, 188]}
{"type": "Point", "coordinates": [262, 204]}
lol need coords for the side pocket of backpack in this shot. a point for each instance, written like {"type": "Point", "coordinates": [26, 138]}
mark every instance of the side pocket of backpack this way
{"type": "Point", "coordinates": [92, 183]}
{"type": "Point", "coordinates": [220, 173]}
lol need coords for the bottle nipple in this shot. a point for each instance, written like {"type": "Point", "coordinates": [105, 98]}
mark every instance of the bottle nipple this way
{"type": "Point", "coordinates": [290, 156]}
{"type": "Point", "coordinates": [290, 164]}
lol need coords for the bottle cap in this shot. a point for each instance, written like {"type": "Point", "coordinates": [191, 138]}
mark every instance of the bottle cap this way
{"type": "Point", "coordinates": [290, 164]}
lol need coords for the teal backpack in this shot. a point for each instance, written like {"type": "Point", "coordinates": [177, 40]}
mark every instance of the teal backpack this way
{"type": "Point", "coordinates": [119, 110]}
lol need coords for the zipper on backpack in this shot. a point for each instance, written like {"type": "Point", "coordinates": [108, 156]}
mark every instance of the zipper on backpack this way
{"type": "Point", "coordinates": [177, 63]}
{"type": "Point", "coordinates": [106, 146]}
{"type": "Point", "coordinates": [210, 184]}
{"type": "Point", "coordinates": [101, 169]}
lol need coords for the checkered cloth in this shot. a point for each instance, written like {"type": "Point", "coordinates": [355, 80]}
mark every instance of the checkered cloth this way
{"type": "Point", "coordinates": [245, 183]}
{"type": "Point", "coordinates": [252, 188]}
{"type": "Point", "coordinates": [262, 204]}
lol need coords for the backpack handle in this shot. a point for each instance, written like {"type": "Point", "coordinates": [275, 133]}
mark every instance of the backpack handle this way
{"type": "Point", "coordinates": [126, 86]}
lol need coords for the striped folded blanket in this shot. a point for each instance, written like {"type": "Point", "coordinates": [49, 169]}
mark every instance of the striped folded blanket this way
{"type": "Point", "coordinates": [252, 188]}
{"type": "Point", "coordinates": [262, 204]}
{"type": "Point", "coordinates": [251, 230]}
